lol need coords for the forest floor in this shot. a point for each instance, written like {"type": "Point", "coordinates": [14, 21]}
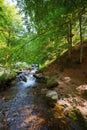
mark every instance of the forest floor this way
{"type": "Point", "coordinates": [72, 79]}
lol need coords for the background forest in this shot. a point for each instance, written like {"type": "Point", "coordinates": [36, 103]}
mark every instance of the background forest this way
{"type": "Point", "coordinates": [40, 31]}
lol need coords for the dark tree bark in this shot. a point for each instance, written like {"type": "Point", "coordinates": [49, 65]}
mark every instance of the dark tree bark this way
{"type": "Point", "coordinates": [69, 39]}
{"type": "Point", "coordinates": [81, 40]}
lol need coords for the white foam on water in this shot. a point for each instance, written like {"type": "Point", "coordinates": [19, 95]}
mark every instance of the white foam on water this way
{"type": "Point", "coordinates": [29, 83]}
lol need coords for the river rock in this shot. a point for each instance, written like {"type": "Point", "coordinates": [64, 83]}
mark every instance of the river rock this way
{"type": "Point", "coordinates": [21, 77]}
{"type": "Point", "coordinates": [67, 79]}
{"type": "Point", "coordinates": [35, 67]}
{"type": "Point", "coordinates": [82, 89]}
{"type": "Point", "coordinates": [52, 83]}
{"type": "Point", "coordinates": [52, 97]}
{"type": "Point", "coordinates": [21, 65]}
{"type": "Point", "coordinates": [40, 77]}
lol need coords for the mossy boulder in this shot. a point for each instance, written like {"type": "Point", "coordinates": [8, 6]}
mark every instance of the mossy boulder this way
{"type": "Point", "coordinates": [52, 83]}
{"type": "Point", "coordinates": [21, 65]}
{"type": "Point", "coordinates": [77, 118]}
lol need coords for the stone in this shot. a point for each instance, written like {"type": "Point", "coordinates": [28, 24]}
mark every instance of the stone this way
{"type": "Point", "coordinates": [67, 79]}
{"type": "Point", "coordinates": [52, 97]}
{"type": "Point", "coordinates": [21, 77]}
{"type": "Point", "coordinates": [24, 79]}
{"type": "Point", "coordinates": [40, 77]}
{"type": "Point", "coordinates": [21, 65]}
{"type": "Point", "coordinates": [52, 84]}
{"type": "Point", "coordinates": [52, 94]}
{"type": "Point", "coordinates": [83, 90]}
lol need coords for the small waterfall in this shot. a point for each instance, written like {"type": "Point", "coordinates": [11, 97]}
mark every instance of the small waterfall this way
{"type": "Point", "coordinates": [30, 81]}
{"type": "Point", "coordinates": [26, 79]}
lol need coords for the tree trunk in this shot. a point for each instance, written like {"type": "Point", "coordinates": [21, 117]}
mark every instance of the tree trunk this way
{"type": "Point", "coordinates": [69, 39]}
{"type": "Point", "coordinates": [81, 43]}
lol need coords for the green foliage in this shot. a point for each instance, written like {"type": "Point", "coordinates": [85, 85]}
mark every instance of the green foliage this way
{"type": "Point", "coordinates": [10, 24]}
{"type": "Point", "coordinates": [47, 28]}
{"type": "Point", "coordinates": [49, 22]}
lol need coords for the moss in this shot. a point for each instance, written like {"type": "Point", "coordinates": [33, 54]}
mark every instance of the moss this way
{"type": "Point", "coordinates": [77, 117]}
{"type": "Point", "coordinates": [6, 79]}
{"type": "Point", "coordinates": [3, 77]}
{"type": "Point", "coordinates": [51, 83]}
{"type": "Point", "coordinates": [84, 93]}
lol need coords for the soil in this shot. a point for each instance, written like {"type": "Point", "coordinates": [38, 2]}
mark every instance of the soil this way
{"type": "Point", "coordinates": [71, 75]}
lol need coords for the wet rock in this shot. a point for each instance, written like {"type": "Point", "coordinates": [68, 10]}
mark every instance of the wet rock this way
{"type": "Point", "coordinates": [40, 77]}
{"type": "Point", "coordinates": [35, 67]}
{"type": "Point", "coordinates": [51, 83]}
{"type": "Point", "coordinates": [21, 77]}
{"type": "Point", "coordinates": [24, 79]}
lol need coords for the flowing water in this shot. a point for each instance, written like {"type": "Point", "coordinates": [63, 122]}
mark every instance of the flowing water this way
{"type": "Point", "coordinates": [22, 109]}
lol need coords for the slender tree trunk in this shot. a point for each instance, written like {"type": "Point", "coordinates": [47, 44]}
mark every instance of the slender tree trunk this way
{"type": "Point", "coordinates": [69, 39]}
{"type": "Point", "coordinates": [81, 42]}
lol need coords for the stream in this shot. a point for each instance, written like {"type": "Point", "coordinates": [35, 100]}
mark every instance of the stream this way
{"type": "Point", "coordinates": [22, 109]}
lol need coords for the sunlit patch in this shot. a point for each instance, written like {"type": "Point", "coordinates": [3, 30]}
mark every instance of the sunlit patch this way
{"type": "Point", "coordinates": [82, 87]}
{"type": "Point", "coordinates": [67, 79]}
{"type": "Point", "coordinates": [31, 119]}
{"type": "Point", "coordinates": [11, 2]}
